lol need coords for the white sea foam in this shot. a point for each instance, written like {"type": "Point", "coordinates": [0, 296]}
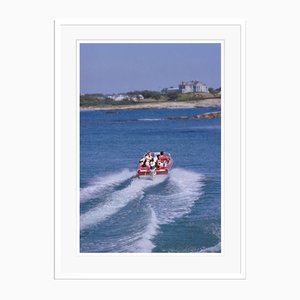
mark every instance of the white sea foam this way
{"type": "Point", "coordinates": [149, 120]}
{"type": "Point", "coordinates": [144, 243]}
{"type": "Point", "coordinates": [213, 249]}
{"type": "Point", "coordinates": [138, 241]}
{"type": "Point", "coordinates": [100, 184]}
{"type": "Point", "coordinates": [180, 191]}
{"type": "Point", "coordinates": [184, 188]}
{"type": "Point", "coordinates": [117, 200]}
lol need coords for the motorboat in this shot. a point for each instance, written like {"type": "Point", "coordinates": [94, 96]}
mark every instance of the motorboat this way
{"type": "Point", "coordinates": [162, 166]}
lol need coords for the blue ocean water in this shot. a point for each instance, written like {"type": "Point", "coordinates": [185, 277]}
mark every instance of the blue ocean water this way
{"type": "Point", "coordinates": [119, 212]}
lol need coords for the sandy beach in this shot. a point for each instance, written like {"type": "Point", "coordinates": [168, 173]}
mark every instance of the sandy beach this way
{"type": "Point", "coordinates": [214, 102]}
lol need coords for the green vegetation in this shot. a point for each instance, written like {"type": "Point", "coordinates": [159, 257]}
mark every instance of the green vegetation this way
{"type": "Point", "coordinates": [100, 100]}
{"type": "Point", "coordinates": [214, 91]}
{"type": "Point", "coordinates": [189, 96]}
{"type": "Point", "coordinates": [89, 101]}
{"type": "Point", "coordinates": [146, 94]}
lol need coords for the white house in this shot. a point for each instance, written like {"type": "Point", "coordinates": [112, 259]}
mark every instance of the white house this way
{"type": "Point", "coordinates": [120, 97]}
{"type": "Point", "coordinates": [193, 87]}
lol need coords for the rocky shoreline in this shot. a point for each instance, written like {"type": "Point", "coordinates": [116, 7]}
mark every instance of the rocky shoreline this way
{"type": "Point", "coordinates": [210, 115]}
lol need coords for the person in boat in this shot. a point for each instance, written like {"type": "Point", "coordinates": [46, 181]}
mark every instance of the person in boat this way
{"type": "Point", "coordinates": [152, 164]}
{"type": "Point", "coordinates": [162, 157]}
{"type": "Point", "coordinates": [142, 161]}
{"type": "Point", "coordinates": [157, 159]}
{"type": "Point", "coordinates": [148, 158]}
{"type": "Point", "coordinates": [158, 162]}
{"type": "Point", "coordinates": [145, 161]}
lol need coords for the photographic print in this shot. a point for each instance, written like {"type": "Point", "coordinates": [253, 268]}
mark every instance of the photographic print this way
{"type": "Point", "coordinates": [150, 147]}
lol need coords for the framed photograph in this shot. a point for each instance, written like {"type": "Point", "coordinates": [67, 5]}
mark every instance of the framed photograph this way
{"type": "Point", "coordinates": [149, 150]}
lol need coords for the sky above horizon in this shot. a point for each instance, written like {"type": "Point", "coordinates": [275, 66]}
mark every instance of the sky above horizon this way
{"type": "Point", "coordinates": [120, 68]}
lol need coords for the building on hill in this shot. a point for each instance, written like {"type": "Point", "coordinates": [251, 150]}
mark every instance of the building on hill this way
{"type": "Point", "coordinates": [187, 87]}
{"type": "Point", "coordinates": [193, 87]}
{"type": "Point", "coordinates": [118, 97]}
{"type": "Point", "coordinates": [122, 97]}
{"type": "Point", "coordinates": [170, 90]}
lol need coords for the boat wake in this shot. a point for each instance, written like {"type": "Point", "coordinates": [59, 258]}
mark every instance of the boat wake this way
{"type": "Point", "coordinates": [213, 249]}
{"type": "Point", "coordinates": [117, 200]}
{"type": "Point", "coordinates": [182, 190]}
{"type": "Point", "coordinates": [101, 184]}
{"type": "Point", "coordinates": [137, 210]}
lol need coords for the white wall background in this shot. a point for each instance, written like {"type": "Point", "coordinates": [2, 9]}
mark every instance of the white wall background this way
{"type": "Point", "coordinates": [26, 152]}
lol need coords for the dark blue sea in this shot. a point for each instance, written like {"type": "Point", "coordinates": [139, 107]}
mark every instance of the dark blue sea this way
{"type": "Point", "coordinates": [178, 213]}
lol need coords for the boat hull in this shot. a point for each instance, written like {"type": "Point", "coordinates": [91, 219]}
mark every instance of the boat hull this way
{"type": "Point", "coordinates": [147, 172]}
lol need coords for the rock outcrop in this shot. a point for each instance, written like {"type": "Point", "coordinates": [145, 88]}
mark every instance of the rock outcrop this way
{"type": "Point", "coordinates": [211, 115]}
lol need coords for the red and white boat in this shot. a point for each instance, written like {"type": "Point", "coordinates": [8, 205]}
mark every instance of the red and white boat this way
{"type": "Point", "coordinates": [166, 162]}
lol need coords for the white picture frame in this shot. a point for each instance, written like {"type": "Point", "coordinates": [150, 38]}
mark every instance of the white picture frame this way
{"type": "Point", "coordinates": [69, 262]}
